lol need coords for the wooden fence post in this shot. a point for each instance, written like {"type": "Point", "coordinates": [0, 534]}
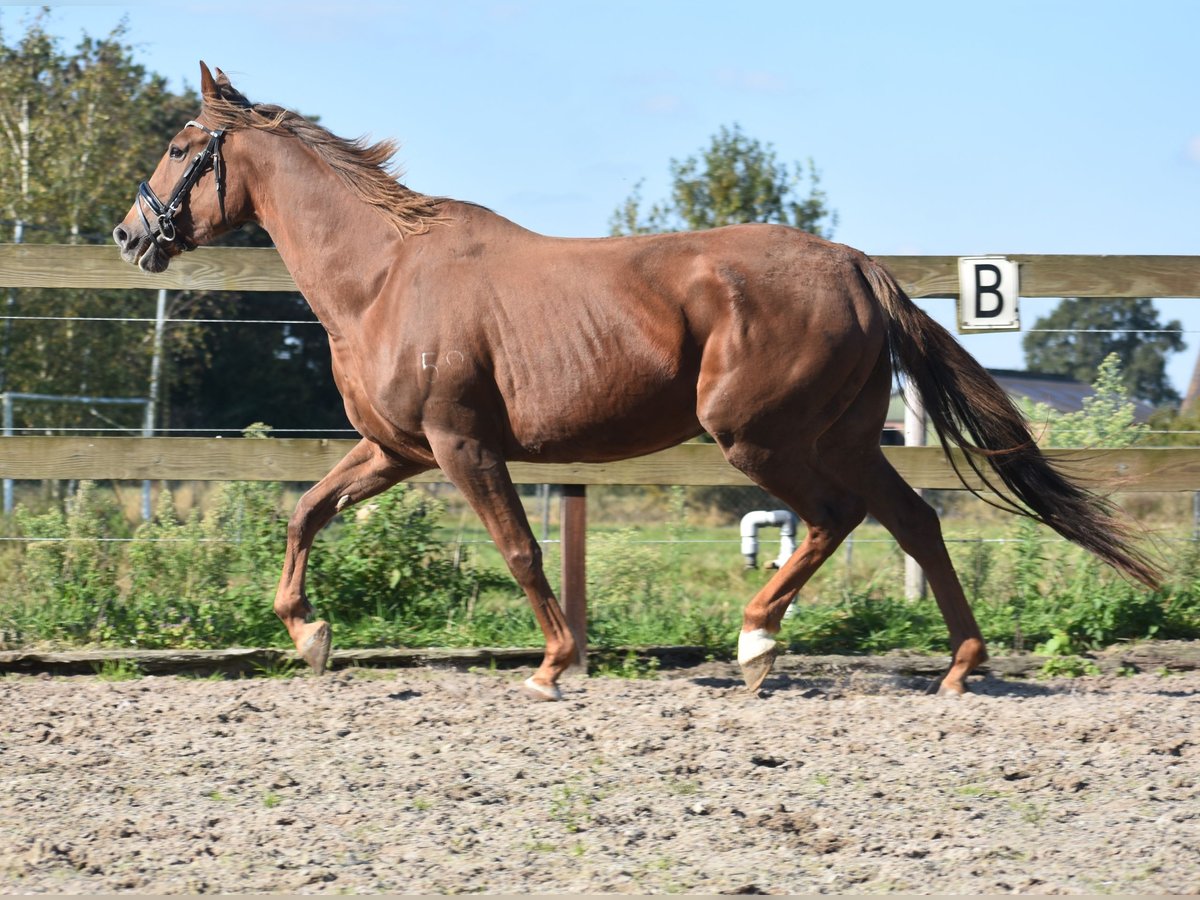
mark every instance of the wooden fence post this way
{"type": "Point", "coordinates": [574, 565]}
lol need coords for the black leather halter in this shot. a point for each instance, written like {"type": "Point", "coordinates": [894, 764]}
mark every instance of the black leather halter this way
{"type": "Point", "coordinates": [164, 213]}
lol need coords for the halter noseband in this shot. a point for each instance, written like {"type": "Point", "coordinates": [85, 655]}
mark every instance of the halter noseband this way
{"type": "Point", "coordinates": [165, 213]}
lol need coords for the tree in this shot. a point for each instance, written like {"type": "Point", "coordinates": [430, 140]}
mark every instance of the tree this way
{"type": "Point", "coordinates": [78, 131]}
{"type": "Point", "coordinates": [1107, 417]}
{"type": "Point", "coordinates": [1080, 332]}
{"type": "Point", "coordinates": [736, 179]}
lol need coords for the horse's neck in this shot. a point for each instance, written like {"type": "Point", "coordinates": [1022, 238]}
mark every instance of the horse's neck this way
{"type": "Point", "coordinates": [335, 246]}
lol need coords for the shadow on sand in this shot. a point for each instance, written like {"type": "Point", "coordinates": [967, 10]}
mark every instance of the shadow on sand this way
{"type": "Point", "coordinates": [854, 682]}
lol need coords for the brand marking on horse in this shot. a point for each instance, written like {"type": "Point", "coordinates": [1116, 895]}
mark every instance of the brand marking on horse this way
{"type": "Point", "coordinates": [429, 366]}
{"type": "Point", "coordinates": [429, 362]}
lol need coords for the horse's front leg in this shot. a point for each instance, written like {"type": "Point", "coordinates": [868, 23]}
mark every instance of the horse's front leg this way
{"type": "Point", "coordinates": [364, 472]}
{"type": "Point", "coordinates": [481, 474]}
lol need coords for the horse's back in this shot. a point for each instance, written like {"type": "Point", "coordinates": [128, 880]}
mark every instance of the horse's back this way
{"type": "Point", "coordinates": [607, 348]}
{"type": "Point", "coordinates": [787, 324]}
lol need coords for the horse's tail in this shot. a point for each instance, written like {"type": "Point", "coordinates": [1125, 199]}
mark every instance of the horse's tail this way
{"type": "Point", "coordinates": [970, 410]}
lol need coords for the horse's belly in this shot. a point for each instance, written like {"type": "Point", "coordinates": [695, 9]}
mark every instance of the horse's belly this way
{"type": "Point", "coordinates": [617, 422]}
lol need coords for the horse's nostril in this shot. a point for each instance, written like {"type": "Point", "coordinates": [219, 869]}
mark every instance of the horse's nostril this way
{"type": "Point", "coordinates": [120, 235]}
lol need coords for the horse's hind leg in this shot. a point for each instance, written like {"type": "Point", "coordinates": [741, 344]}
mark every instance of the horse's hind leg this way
{"type": "Point", "coordinates": [830, 512]}
{"type": "Point", "coordinates": [364, 472]}
{"type": "Point", "coordinates": [916, 528]}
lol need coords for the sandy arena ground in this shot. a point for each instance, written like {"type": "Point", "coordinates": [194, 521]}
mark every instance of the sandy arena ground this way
{"type": "Point", "coordinates": [435, 781]}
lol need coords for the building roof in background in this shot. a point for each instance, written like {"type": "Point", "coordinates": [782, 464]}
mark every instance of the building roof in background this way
{"type": "Point", "coordinates": [1059, 392]}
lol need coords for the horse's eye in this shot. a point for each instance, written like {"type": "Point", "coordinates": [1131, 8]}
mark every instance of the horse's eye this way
{"type": "Point", "coordinates": [175, 152]}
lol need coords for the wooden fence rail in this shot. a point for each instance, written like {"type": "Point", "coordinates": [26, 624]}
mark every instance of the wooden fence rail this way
{"type": "Point", "coordinates": [243, 269]}
{"type": "Point", "coordinates": [308, 460]}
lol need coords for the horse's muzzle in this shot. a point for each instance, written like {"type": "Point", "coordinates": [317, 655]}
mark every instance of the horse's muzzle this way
{"type": "Point", "coordinates": [140, 249]}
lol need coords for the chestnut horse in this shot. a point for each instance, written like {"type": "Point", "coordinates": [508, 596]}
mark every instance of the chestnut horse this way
{"type": "Point", "coordinates": [462, 341]}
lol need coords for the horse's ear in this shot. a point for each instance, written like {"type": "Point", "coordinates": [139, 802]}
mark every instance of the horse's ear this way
{"type": "Point", "coordinates": [208, 86]}
{"type": "Point", "coordinates": [223, 80]}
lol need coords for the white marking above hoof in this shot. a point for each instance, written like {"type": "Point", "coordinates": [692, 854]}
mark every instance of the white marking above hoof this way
{"type": "Point", "coordinates": [753, 644]}
{"type": "Point", "coordinates": [756, 656]}
{"type": "Point", "coordinates": [541, 691]}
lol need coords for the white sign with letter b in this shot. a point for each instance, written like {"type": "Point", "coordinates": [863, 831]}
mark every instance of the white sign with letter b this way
{"type": "Point", "coordinates": [987, 294]}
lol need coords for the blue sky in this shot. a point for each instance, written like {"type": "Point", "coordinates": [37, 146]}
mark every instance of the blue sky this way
{"type": "Point", "coordinates": [938, 127]}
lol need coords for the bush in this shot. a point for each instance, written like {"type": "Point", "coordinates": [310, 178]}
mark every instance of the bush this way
{"type": "Point", "coordinates": [862, 623]}
{"type": "Point", "coordinates": [67, 586]}
{"type": "Point", "coordinates": [209, 581]}
{"type": "Point", "coordinates": [384, 576]}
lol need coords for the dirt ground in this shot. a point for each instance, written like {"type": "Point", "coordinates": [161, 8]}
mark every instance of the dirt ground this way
{"type": "Point", "coordinates": [426, 781]}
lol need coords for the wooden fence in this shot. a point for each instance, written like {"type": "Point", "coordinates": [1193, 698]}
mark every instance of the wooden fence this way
{"type": "Point", "coordinates": [307, 460]}
{"type": "Point", "coordinates": [228, 269]}
{"type": "Point", "coordinates": [240, 269]}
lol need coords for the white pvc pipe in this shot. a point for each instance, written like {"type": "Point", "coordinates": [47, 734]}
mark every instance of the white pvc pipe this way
{"type": "Point", "coordinates": [783, 519]}
{"type": "Point", "coordinates": [914, 436]}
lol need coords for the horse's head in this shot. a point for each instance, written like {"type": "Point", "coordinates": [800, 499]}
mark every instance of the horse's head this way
{"type": "Point", "coordinates": [188, 201]}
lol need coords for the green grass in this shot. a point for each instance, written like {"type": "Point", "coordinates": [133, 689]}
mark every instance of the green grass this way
{"type": "Point", "coordinates": [1029, 590]}
{"type": "Point", "coordinates": [279, 668]}
{"type": "Point", "coordinates": [117, 670]}
{"type": "Point", "coordinates": [419, 571]}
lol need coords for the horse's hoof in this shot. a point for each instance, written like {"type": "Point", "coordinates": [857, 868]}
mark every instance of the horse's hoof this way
{"type": "Point", "coordinates": [953, 685]}
{"type": "Point", "coordinates": [755, 671]}
{"type": "Point", "coordinates": [756, 656]}
{"type": "Point", "coordinates": [541, 691]}
{"type": "Point", "coordinates": [316, 640]}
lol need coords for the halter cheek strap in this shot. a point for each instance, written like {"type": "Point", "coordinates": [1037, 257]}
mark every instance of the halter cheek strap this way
{"type": "Point", "coordinates": [164, 213]}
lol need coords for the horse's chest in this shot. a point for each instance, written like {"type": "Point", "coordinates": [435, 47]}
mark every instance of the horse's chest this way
{"type": "Point", "coordinates": [376, 404]}
{"type": "Point", "coordinates": [393, 398]}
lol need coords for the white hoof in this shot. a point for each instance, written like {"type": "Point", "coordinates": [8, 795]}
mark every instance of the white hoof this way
{"type": "Point", "coordinates": [541, 691]}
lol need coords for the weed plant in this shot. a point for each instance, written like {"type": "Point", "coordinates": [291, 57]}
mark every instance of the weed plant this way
{"type": "Point", "coordinates": [86, 580]}
{"type": "Point", "coordinates": [383, 577]}
{"type": "Point", "coordinates": [392, 575]}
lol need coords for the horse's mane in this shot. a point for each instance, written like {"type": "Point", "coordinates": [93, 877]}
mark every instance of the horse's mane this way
{"type": "Point", "coordinates": [366, 168]}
